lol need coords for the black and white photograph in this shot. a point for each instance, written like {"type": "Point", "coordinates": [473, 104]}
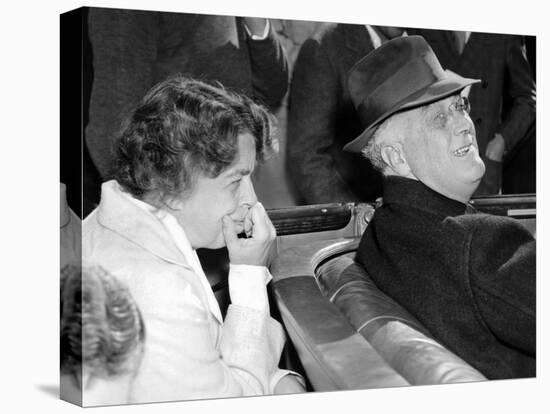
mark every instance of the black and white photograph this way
{"type": "Point", "coordinates": [278, 208]}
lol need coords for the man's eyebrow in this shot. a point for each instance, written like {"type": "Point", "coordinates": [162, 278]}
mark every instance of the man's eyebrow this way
{"type": "Point", "coordinates": [242, 172]}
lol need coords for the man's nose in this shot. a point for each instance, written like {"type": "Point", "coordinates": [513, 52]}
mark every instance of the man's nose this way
{"type": "Point", "coordinates": [464, 125]}
{"type": "Point", "coordinates": [248, 195]}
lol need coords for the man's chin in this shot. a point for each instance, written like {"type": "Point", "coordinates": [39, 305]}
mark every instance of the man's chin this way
{"type": "Point", "coordinates": [476, 180]}
{"type": "Point", "coordinates": [482, 168]}
{"type": "Point", "coordinates": [475, 169]}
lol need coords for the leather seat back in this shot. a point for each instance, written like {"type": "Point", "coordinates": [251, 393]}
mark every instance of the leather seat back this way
{"type": "Point", "coordinates": [393, 332]}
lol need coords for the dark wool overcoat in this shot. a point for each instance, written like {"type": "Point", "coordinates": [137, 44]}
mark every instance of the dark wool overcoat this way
{"type": "Point", "coordinates": [470, 278]}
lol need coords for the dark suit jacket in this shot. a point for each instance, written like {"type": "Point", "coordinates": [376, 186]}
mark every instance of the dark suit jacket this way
{"type": "Point", "coordinates": [133, 50]}
{"type": "Point", "coordinates": [322, 119]}
{"type": "Point", "coordinates": [505, 100]}
{"type": "Point", "coordinates": [468, 278]}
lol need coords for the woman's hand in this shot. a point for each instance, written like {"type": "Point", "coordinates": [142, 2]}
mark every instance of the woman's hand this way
{"type": "Point", "coordinates": [255, 249]}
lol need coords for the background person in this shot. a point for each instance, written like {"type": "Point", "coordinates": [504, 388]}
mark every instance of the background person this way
{"type": "Point", "coordinates": [322, 118]}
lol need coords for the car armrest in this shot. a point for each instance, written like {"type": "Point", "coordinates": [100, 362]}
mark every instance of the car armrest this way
{"type": "Point", "coordinates": [333, 354]}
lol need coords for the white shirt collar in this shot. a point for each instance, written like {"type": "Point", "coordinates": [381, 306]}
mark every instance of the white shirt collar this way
{"type": "Point", "coordinates": [375, 37]}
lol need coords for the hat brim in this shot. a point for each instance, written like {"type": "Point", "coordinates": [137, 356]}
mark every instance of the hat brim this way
{"type": "Point", "coordinates": [435, 92]}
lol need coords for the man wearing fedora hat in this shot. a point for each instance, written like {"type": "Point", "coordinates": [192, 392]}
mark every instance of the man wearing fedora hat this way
{"type": "Point", "coordinates": [468, 277]}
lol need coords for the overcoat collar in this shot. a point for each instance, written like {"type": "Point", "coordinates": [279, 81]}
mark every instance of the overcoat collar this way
{"type": "Point", "coordinates": [413, 193]}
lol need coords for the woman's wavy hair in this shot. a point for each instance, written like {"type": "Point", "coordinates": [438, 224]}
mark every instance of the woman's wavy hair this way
{"type": "Point", "coordinates": [101, 326]}
{"type": "Point", "coordinates": [182, 127]}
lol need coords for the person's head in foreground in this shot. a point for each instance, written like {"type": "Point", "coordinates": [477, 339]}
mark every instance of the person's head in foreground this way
{"type": "Point", "coordinates": [190, 148]}
{"type": "Point", "coordinates": [416, 119]}
{"type": "Point", "coordinates": [101, 336]}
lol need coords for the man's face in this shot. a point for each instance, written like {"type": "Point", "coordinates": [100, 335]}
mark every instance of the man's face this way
{"type": "Point", "coordinates": [231, 193]}
{"type": "Point", "coordinates": [442, 150]}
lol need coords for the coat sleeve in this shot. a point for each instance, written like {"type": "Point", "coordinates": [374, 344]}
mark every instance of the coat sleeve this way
{"type": "Point", "coordinates": [311, 131]}
{"type": "Point", "coordinates": [186, 356]}
{"type": "Point", "coordinates": [520, 90]}
{"type": "Point", "coordinates": [269, 69]}
{"type": "Point", "coordinates": [502, 270]}
{"type": "Point", "coordinates": [124, 48]}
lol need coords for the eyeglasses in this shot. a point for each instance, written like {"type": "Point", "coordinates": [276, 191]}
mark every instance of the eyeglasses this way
{"type": "Point", "coordinates": [461, 105]}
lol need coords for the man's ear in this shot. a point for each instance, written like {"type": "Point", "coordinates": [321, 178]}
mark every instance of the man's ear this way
{"type": "Point", "coordinates": [394, 156]}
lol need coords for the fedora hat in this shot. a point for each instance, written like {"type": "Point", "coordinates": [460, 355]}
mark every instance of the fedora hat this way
{"type": "Point", "coordinates": [402, 74]}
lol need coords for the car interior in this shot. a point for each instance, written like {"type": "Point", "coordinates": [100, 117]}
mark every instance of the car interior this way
{"type": "Point", "coordinates": [344, 332]}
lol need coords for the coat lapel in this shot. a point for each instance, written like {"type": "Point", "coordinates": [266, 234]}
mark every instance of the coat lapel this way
{"type": "Point", "coordinates": [474, 47]}
{"type": "Point", "coordinates": [358, 40]}
{"type": "Point", "coordinates": [126, 219]}
{"type": "Point", "coordinates": [141, 227]}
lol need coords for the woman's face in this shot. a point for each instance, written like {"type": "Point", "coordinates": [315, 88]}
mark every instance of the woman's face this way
{"type": "Point", "coordinates": [200, 212]}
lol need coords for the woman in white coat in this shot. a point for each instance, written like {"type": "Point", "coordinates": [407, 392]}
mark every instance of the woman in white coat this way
{"type": "Point", "coordinates": [182, 182]}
